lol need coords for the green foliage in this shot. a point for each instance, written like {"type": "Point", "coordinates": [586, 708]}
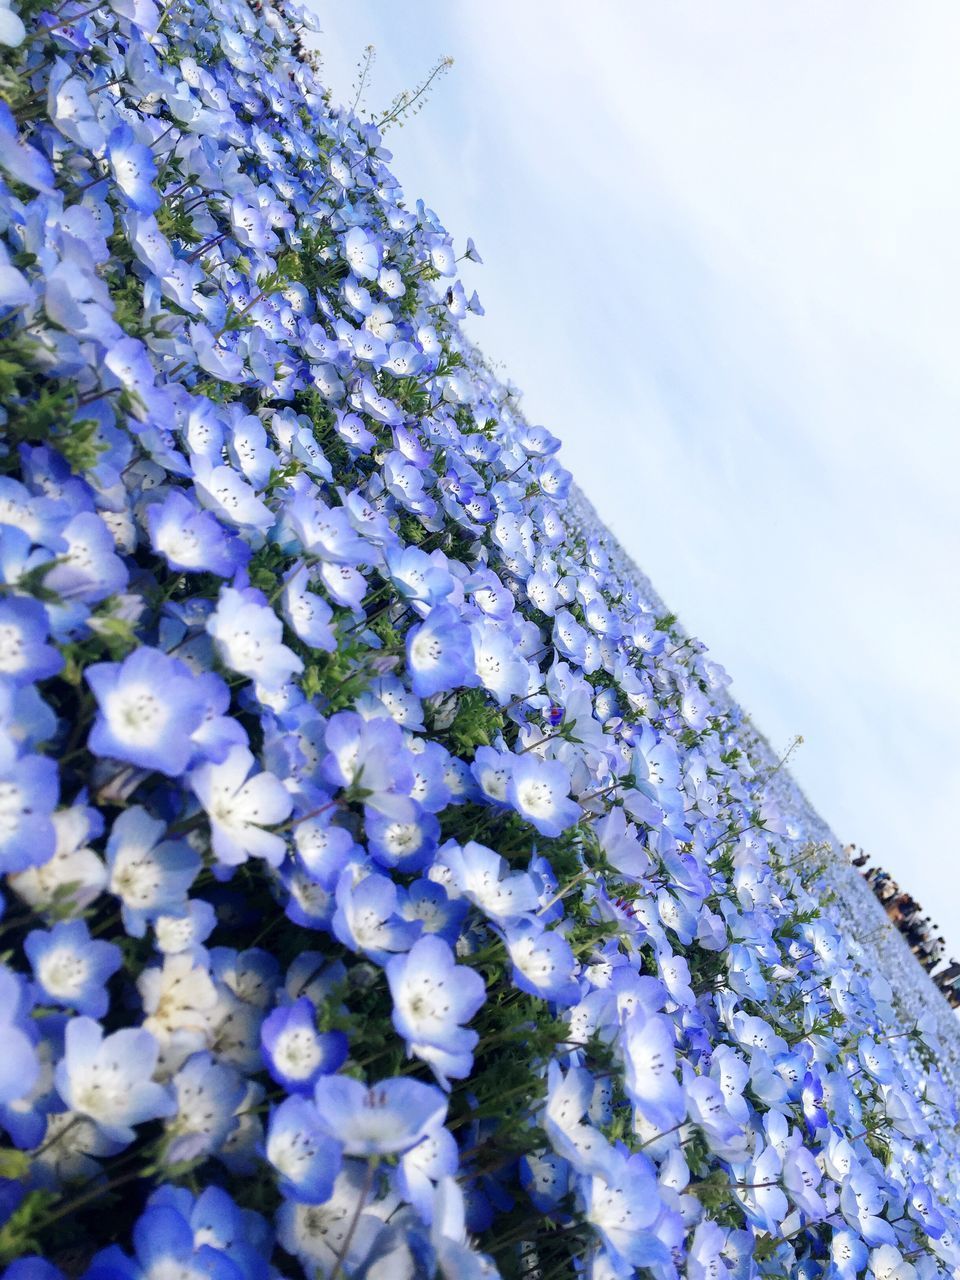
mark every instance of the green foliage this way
{"type": "Point", "coordinates": [476, 723]}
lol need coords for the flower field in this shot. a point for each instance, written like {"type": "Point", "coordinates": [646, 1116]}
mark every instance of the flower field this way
{"type": "Point", "coordinates": [393, 889]}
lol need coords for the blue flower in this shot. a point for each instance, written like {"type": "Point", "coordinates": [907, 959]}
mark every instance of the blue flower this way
{"type": "Point", "coordinates": [133, 168]}
{"type": "Point", "coordinates": [296, 1053]}
{"type": "Point", "coordinates": [249, 638]}
{"type": "Point", "coordinates": [543, 963]}
{"type": "Point", "coordinates": [19, 1063]}
{"type": "Point", "coordinates": [366, 917]}
{"type": "Point", "coordinates": [387, 1118]}
{"type": "Point", "coordinates": [422, 579]}
{"type": "Point", "coordinates": [89, 569]}
{"type": "Point", "coordinates": [432, 997]}
{"type": "Point", "coordinates": [539, 790]}
{"type": "Point", "coordinates": [164, 1244]}
{"type": "Point", "coordinates": [149, 706]}
{"type": "Point", "coordinates": [148, 874]}
{"type": "Point", "coordinates": [108, 1079]}
{"type": "Point", "coordinates": [439, 653]}
{"type": "Point", "coordinates": [21, 161]}
{"type": "Point", "coordinates": [301, 1150]}
{"type": "Point", "coordinates": [29, 787]}
{"type": "Point", "coordinates": [193, 540]}
{"type": "Point", "coordinates": [240, 805]}
{"type": "Point", "coordinates": [24, 654]}
{"type": "Point", "coordinates": [208, 1095]}
{"type": "Point", "coordinates": [71, 968]}
{"type": "Point", "coordinates": [650, 1063]}
{"type": "Point", "coordinates": [408, 845]}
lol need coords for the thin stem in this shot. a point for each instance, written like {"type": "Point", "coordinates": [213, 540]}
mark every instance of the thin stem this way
{"type": "Point", "coordinates": [361, 1201]}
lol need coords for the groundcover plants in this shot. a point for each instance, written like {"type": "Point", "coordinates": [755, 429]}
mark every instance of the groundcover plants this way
{"type": "Point", "coordinates": [390, 889]}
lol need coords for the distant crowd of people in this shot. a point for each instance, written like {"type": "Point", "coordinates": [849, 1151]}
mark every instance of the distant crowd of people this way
{"type": "Point", "coordinates": [922, 935]}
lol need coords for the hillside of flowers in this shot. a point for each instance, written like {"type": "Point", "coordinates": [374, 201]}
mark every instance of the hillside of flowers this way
{"type": "Point", "coordinates": [392, 889]}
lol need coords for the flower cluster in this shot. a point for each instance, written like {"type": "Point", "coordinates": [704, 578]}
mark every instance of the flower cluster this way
{"type": "Point", "coordinates": [392, 888]}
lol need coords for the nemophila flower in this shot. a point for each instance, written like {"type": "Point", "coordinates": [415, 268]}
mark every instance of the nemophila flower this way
{"type": "Point", "coordinates": [922, 1207]}
{"type": "Point", "coordinates": [484, 878]}
{"type": "Point", "coordinates": [543, 963]}
{"type": "Point", "coordinates": [71, 968]}
{"type": "Point", "coordinates": [193, 540]}
{"type": "Point", "coordinates": [307, 612]}
{"type": "Point", "coordinates": [208, 1094]}
{"type": "Point", "coordinates": [337, 1229]}
{"type": "Point", "coordinates": [164, 1245]}
{"type": "Point", "coordinates": [407, 845]}
{"type": "Point", "coordinates": [29, 786]}
{"type": "Point", "coordinates": [19, 1063]}
{"type": "Point", "coordinates": [429, 903]}
{"type": "Point", "coordinates": [295, 1052]}
{"type": "Point", "coordinates": [301, 1150]}
{"type": "Point", "coordinates": [180, 1001]}
{"type": "Point", "coordinates": [439, 653]}
{"type": "Point", "coordinates": [12, 30]}
{"type": "Point", "coordinates": [649, 1066]}
{"type": "Point", "coordinates": [424, 580]}
{"type": "Point", "coordinates": [368, 757]}
{"type": "Point", "coordinates": [432, 996]}
{"type": "Point", "coordinates": [108, 1078]}
{"type": "Point", "coordinates": [225, 492]}
{"type": "Point", "coordinates": [623, 1206]}
{"type": "Point", "coordinates": [574, 1139]}
{"type": "Point", "coordinates": [497, 664]}
{"type": "Point", "coordinates": [367, 919]}
{"type": "Point", "coordinates": [17, 158]}
{"type": "Point", "coordinates": [539, 790]}
{"type": "Point", "coordinates": [133, 168]}
{"type": "Point", "coordinates": [249, 638]}
{"type": "Point", "coordinates": [362, 253]}
{"type": "Point", "coordinates": [381, 1119]}
{"type": "Point", "coordinates": [491, 769]}
{"type": "Point", "coordinates": [150, 875]}
{"type": "Point", "coordinates": [24, 654]}
{"type": "Point", "coordinates": [88, 570]}
{"type": "Point", "coordinates": [240, 804]}
{"type": "Point", "coordinates": [149, 706]}
{"type": "Point", "coordinates": [422, 1167]}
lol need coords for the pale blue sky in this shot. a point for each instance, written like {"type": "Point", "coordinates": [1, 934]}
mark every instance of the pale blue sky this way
{"type": "Point", "coordinates": [722, 262]}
